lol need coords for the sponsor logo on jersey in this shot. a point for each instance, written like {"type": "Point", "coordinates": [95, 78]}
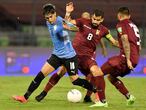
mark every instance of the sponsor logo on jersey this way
{"type": "Point", "coordinates": [87, 26]}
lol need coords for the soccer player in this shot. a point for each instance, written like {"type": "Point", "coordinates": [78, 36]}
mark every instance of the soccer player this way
{"type": "Point", "coordinates": [126, 61]}
{"type": "Point", "coordinates": [63, 55]}
{"type": "Point", "coordinates": [90, 33]}
{"type": "Point", "coordinates": [86, 15]}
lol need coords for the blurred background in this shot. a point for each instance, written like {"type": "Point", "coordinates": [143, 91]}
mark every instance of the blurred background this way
{"type": "Point", "coordinates": [25, 43]}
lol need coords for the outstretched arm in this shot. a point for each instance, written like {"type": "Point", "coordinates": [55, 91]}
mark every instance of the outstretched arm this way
{"type": "Point", "coordinates": [69, 26]}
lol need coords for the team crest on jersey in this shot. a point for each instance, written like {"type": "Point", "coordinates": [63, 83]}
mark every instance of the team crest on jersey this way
{"type": "Point", "coordinates": [97, 32]}
{"type": "Point", "coordinates": [55, 27]}
{"type": "Point", "coordinates": [120, 30]}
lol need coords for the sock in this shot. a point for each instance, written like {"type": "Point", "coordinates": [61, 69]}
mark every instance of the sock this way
{"type": "Point", "coordinates": [52, 82]}
{"type": "Point", "coordinates": [85, 84]}
{"type": "Point", "coordinates": [100, 84]}
{"type": "Point", "coordinates": [34, 84]}
{"type": "Point", "coordinates": [121, 87]}
{"type": "Point", "coordinates": [92, 81]}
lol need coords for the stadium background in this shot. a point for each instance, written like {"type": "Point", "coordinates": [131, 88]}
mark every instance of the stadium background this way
{"type": "Point", "coordinates": [25, 43]}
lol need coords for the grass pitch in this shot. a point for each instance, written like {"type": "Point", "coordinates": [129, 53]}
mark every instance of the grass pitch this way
{"type": "Point", "coordinates": [56, 98]}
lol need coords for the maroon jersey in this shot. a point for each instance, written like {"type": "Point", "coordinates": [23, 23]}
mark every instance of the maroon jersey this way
{"type": "Point", "coordinates": [87, 38]}
{"type": "Point", "coordinates": [129, 28]}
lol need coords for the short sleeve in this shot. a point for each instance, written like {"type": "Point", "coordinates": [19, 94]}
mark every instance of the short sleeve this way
{"type": "Point", "coordinates": [106, 31]}
{"type": "Point", "coordinates": [79, 22]}
{"type": "Point", "coordinates": [121, 29]}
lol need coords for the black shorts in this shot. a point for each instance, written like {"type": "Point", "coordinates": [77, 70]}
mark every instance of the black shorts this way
{"type": "Point", "coordinates": [71, 64]}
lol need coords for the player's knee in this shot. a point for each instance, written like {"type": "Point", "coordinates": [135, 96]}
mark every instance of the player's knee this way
{"type": "Point", "coordinates": [112, 79]}
{"type": "Point", "coordinates": [47, 69]}
{"type": "Point", "coordinates": [96, 71]}
{"type": "Point", "coordinates": [61, 72]}
{"type": "Point", "coordinates": [74, 78]}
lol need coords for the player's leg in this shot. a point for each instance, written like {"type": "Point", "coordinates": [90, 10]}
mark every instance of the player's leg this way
{"type": "Point", "coordinates": [72, 69]}
{"type": "Point", "coordinates": [119, 85]}
{"type": "Point", "coordinates": [54, 79]}
{"type": "Point", "coordinates": [85, 64]}
{"type": "Point", "coordinates": [86, 73]}
{"type": "Point", "coordinates": [113, 72]}
{"type": "Point", "coordinates": [47, 68]}
{"type": "Point", "coordinates": [98, 76]}
{"type": "Point", "coordinates": [87, 97]}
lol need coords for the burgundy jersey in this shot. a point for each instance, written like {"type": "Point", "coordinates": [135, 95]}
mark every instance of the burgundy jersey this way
{"type": "Point", "coordinates": [87, 38]}
{"type": "Point", "coordinates": [129, 28]}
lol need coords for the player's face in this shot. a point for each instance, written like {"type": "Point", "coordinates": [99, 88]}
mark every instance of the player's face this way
{"type": "Point", "coordinates": [51, 17]}
{"type": "Point", "coordinates": [96, 20]}
{"type": "Point", "coordinates": [119, 16]}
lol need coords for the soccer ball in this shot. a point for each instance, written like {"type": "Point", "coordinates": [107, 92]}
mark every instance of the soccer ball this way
{"type": "Point", "coordinates": [74, 96]}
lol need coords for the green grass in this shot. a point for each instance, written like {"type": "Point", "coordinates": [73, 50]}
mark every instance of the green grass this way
{"type": "Point", "coordinates": [56, 99]}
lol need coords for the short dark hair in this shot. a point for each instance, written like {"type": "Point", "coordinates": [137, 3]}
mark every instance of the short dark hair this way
{"type": "Point", "coordinates": [124, 10]}
{"type": "Point", "coordinates": [98, 12]}
{"type": "Point", "coordinates": [48, 8]}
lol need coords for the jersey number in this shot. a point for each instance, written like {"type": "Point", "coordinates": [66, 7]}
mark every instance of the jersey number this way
{"type": "Point", "coordinates": [90, 36]}
{"type": "Point", "coordinates": [136, 31]}
{"type": "Point", "coordinates": [72, 65]}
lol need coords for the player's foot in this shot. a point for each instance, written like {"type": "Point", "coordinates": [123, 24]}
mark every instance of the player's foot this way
{"type": "Point", "coordinates": [20, 99]}
{"type": "Point", "coordinates": [131, 100]}
{"type": "Point", "coordinates": [41, 96]}
{"type": "Point", "coordinates": [87, 99]}
{"type": "Point", "coordinates": [99, 104]}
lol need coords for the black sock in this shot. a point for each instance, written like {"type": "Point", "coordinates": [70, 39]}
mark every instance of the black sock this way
{"type": "Point", "coordinates": [34, 84]}
{"type": "Point", "coordinates": [85, 84]}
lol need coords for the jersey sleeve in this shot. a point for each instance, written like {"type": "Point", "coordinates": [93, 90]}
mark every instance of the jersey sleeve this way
{"type": "Point", "coordinates": [79, 22]}
{"type": "Point", "coordinates": [106, 31]}
{"type": "Point", "coordinates": [122, 29]}
{"type": "Point", "coordinates": [59, 27]}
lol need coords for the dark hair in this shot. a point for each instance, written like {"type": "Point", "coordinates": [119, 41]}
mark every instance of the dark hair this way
{"type": "Point", "coordinates": [48, 8]}
{"type": "Point", "coordinates": [124, 10]}
{"type": "Point", "coordinates": [98, 13]}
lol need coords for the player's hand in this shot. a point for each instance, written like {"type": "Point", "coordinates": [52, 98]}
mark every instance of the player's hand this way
{"type": "Point", "coordinates": [129, 64]}
{"type": "Point", "coordinates": [69, 7]}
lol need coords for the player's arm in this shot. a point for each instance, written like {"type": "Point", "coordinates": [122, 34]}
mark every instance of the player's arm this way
{"type": "Point", "coordinates": [112, 40]}
{"type": "Point", "coordinates": [104, 51]}
{"type": "Point", "coordinates": [69, 26]}
{"type": "Point", "coordinates": [69, 10]}
{"type": "Point", "coordinates": [126, 47]}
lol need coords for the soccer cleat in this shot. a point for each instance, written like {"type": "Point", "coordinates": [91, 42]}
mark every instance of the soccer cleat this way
{"type": "Point", "coordinates": [87, 99]}
{"type": "Point", "coordinates": [131, 100]}
{"type": "Point", "coordinates": [41, 96]}
{"type": "Point", "coordinates": [99, 104]}
{"type": "Point", "coordinates": [20, 99]}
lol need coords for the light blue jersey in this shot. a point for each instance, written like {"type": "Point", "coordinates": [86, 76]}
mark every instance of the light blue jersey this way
{"type": "Point", "coordinates": [61, 41]}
